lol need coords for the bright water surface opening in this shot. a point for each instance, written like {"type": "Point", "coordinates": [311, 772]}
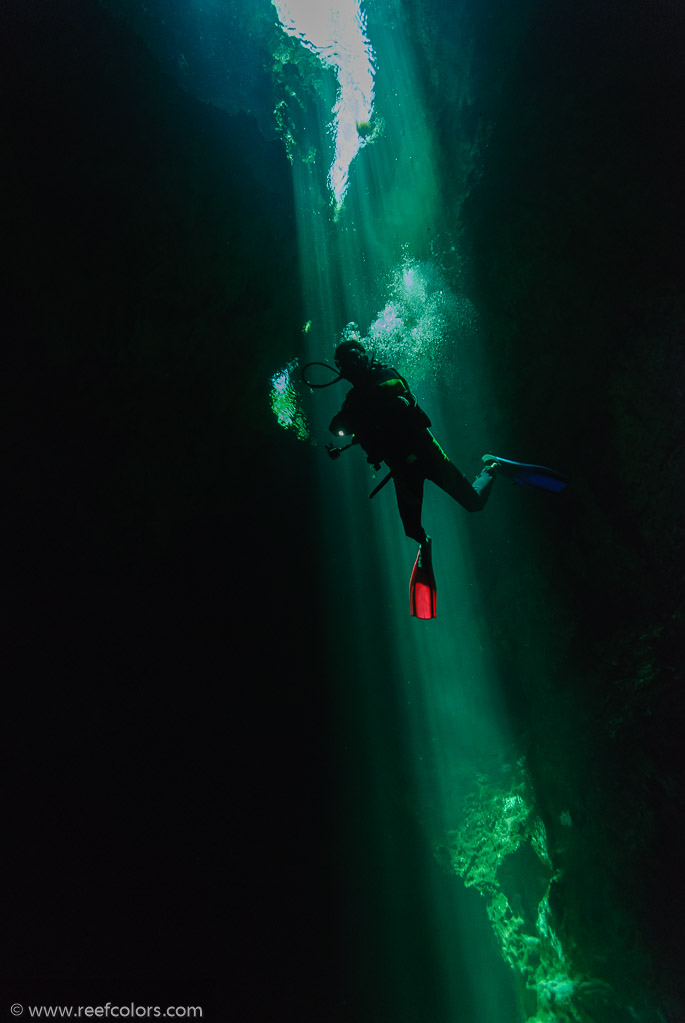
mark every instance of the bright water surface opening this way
{"type": "Point", "coordinates": [336, 34]}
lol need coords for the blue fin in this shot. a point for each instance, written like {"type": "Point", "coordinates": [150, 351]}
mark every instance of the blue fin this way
{"type": "Point", "coordinates": [533, 477]}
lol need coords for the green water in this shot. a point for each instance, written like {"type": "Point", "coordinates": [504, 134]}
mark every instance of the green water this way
{"type": "Point", "coordinates": [240, 773]}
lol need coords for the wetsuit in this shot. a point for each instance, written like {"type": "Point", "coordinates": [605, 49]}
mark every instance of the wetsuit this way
{"type": "Point", "coordinates": [386, 420]}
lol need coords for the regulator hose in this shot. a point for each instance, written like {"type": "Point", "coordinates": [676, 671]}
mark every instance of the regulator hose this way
{"type": "Point", "coordinates": [325, 364]}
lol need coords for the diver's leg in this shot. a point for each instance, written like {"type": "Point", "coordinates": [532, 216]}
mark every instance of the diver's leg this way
{"type": "Point", "coordinates": [409, 492]}
{"type": "Point", "coordinates": [439, 469]}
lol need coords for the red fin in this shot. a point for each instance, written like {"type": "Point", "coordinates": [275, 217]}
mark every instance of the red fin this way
{"type": "Point", "coordinates": [422, 589]}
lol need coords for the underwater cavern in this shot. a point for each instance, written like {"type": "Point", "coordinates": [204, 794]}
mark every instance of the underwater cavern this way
{"type": "Point", "coordinates": [239, 774]}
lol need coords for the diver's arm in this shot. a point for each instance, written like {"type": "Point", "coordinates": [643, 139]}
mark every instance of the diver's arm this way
{"type": "Point", "coordinates": [343, 424]}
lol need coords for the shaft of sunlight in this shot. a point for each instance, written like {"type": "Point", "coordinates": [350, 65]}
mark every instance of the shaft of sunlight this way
{"type": "Point", "coordinates": [422, 705]}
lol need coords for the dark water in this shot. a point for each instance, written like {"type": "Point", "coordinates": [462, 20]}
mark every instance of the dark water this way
{"type": "Point", "coordinates": [172, 786]}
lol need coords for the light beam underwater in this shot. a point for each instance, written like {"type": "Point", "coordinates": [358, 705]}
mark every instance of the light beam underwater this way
{"type": "Point", "coordinates": [420, 704]}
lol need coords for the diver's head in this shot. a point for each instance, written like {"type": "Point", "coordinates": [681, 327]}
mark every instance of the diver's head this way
{"type": "Point", "coordinates": [351, 359]}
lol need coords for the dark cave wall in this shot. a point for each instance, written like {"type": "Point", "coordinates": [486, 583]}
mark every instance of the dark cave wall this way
{"type": "Point", "coordinates": [573, 230]}
{"type": "Point", "coordinates": [152, 285]}
{"type": "Point", "coordinates": [155, 669]}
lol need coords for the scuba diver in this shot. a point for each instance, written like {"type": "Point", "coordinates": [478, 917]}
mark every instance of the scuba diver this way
{"type": "Point", "coordinates": [387, 422]}
{"type": "Point", "coordinates": [383, 416]}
